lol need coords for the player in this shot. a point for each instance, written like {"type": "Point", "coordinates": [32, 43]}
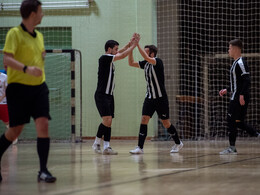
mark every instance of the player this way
{"type": "Point", "coordinates": [156, 97]}
{"type": "Point", "coordinates": [104, 93]}
{"type": "Point", "coordinates": [240, 96]}
{"type": "Point", "coordinates": [27, 93]}
{"type": "Point", "coordinates": [3, 103]}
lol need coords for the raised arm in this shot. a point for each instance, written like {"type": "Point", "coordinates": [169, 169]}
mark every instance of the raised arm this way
{"type": "Point", "coordinates": [120, 56]}
{"type": "Point", "coordinates": [145, 56]}
{"type": "Point", "coordinates": [131, 61]}
{"type": "Point", "coordinates": [125, 47]}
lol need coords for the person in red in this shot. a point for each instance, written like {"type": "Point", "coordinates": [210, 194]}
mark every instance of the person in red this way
{"type": "Point", "coordinates": [3, 103]}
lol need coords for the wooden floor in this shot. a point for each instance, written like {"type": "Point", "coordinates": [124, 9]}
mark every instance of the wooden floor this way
{"type": "Point", "coordinates": [197, 169]}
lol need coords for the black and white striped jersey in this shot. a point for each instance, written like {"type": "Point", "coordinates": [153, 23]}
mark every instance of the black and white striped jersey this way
{"type": "Point", "coordinates": [106, 69]}
{"type": "Point", "coordinates": [239, 78]}
{"type": "Point", "coordinates": [154, 76]}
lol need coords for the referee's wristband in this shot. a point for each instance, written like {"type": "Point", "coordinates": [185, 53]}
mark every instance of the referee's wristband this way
{"type": "Point", "coordinates": [25, 68]}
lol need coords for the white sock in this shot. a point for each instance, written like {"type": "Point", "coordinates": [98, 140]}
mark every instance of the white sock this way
{"type": "Point", "coordinates": [106, 144]}
{"type": "Point", "coordinates": [97, 140]}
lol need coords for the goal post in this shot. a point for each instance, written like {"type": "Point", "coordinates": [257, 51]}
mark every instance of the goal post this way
{"type": "Point", "coordinates": [63, 77]}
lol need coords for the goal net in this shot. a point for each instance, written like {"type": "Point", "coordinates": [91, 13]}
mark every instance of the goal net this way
{"type": "Point", "coordinates": [63, 80]}
{"type": "Point", "coordinates": [193, 39]}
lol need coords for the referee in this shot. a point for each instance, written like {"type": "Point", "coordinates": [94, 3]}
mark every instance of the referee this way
{"type": "Point", "coordinates": [240, 96]}
{"type": "Point", "coordinates": [156, 97]}
{"type": "Point", "coordinates": [27, 93]}
{"type": "Point", "coordinates": [104, 93]}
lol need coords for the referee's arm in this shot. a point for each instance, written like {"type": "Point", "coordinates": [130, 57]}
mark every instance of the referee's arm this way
{"type": "Point", "coordinates": [16, 65]}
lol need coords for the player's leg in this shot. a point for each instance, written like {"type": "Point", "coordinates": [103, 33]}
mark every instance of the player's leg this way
{"type": "Point", "coordinates": [106, 106]}
{"type": "Point", "coordinates": [147, 112]}
{"type": "Point", "coordinates": [232, 128]}
{"type": "Point", "coordinates": [143, 130]}
{"type": "Point", "coordinates": [40, 113]}
{"type": "Point", "coordinates": [162, 109]}
{"type": "Point", "coordinates": [241, 124]}
{"type": "Point", "coordinates": [174, 135]}
{"type": "Point", "coordinates": [103, 110]}
{"type": "Point", "coordinates": [248, 128]}
{"type": "Point", "coordinates": [142, 135]}
{"type": "Point", "coordinates": [96, 145]}
{"type": "Point", "coordinates": [107, 122]}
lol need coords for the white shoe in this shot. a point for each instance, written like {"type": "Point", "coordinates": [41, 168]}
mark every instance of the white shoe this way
{"type": "Point", "coordinates": [176, 148]}
{"type": "Point", "coordinates": [109, 151]}
{"type": "Point", "coordinates": [229, 150]}
{"type": "Point", "coordinates": [96, 148]}
{"type": "Point", "coordinates": [15, 141]}
{"type": "Point", "coordinates": [137, 150]}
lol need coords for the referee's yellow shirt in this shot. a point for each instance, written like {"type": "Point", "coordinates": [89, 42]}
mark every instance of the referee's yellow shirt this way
{"type": "Point", "coordinates": [27, 50]}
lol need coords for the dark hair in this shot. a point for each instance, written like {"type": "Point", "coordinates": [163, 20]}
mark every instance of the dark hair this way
{"type": "Point", "coordinates": [236, 42]}
{"type": "Point", "coordinates": [110, 44]}
{"type": "Point", "coordinates": [152, 49]}
{"type": "Point", "coordinates": [29, 6]}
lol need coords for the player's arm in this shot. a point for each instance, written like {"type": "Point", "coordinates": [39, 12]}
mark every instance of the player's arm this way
{"type": "Point", "coordinates": [16, 65]}
{"type": "Point", "coordinates": [222, 92]}
{"type": "Point", "coordinates": [145, 56]}
{"type": "Point", "coordinates": [120, 56]}
{"type": "Point", "coordinates": [131, 61]}
{"type": "Point", "coordinates": [124, 48]}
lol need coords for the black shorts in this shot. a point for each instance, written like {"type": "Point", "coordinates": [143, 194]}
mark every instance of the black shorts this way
{"type": "Point", "coordinates": [160, 105]}
{"type": "Point", "coordinates": [105, 104]}
{"type": "Point", "coordinates": [25, 101]}
{"type": "Point", "coordinates": [236, 111]}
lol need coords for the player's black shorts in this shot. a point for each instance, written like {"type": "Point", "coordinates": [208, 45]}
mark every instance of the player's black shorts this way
{"type": "Point", "coordinates": [236, 111]}
{"type": "Point", "coordinates": [160, 105]}
{"type": "Point", "coordinates": [105, 104]}
{"type": "Point", "coordinates": [25, 101]}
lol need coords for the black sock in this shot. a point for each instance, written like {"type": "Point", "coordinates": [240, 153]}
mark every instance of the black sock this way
{"type": "Point", "coordinates": [232, 129]}
{"type": "Point", "coordinates": [142, 135]}
{"type": "Point", "coordinates": [101, 130]}
{"type": "Point", "coordinates": [43, 147]}
{"type": "Point", "coordinates": [4, 144]}
{"type": "Point", "coordinates": [107, 133]}
{"type": "Point", "coordinates": [173, 132]}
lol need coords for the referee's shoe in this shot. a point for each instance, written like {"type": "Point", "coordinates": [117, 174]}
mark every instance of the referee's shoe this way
{"type": "Point", "coordinates": [46, 176]}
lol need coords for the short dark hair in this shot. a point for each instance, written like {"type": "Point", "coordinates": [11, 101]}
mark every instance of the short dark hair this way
{"type": "Point", "coordinates": [237, 43]}
{"type": "Point", "coordinates": [29, 6]}
{"type": "Point", "coordinates": [152, 49]}
{"type": "Point", "coordinates": [110, 44]}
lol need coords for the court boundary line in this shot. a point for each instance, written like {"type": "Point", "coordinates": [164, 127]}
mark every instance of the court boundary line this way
{"type": "Point", "coordinates": [105, 185]}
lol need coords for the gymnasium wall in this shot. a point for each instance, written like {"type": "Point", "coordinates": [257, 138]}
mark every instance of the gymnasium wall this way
{"type": "Point", "coordinates": [91, 28]}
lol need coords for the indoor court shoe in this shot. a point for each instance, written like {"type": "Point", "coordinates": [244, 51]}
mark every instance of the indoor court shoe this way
{"type": "Point", "coordinates": [229, 150]}
{"type": "Point", "coordinates": [137, 150]}
{"type": "Point", "coordinates": [176, 148]}
{"type": "Point", "coordinates": [109, 151]}
{"type": "Point", "coordinates": [46, 176]}
{"type": "Point", "coordinates": [15, 141]}
{"type": "Point", "coordinates": [96, 148]}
